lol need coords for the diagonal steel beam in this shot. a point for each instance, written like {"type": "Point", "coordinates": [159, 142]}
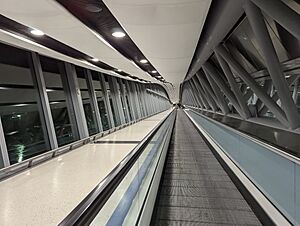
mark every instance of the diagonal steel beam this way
{"type": "Point", "coordinates": [215, 75]}
{"type": "Point", "coordinates": [209, 92]}
{"type": "Point", "coordinates": [193, 93]}
{"type": "Point", "coordinates": [246, 77]}
{"type": "Point", "coordinates": [280, 12]}
{"type": "Point", "coordinates": [201, 93]}
{"type": "Point", "coordinates": [245, 113]}
{"type": "Point", "coordinates": [268, 52]}
{"type": "Point", "coordinates": [212, 99]}
{"type": "Point", "coordinates": [197, 92]}
{"type": "Point", "coordinates": [206, 95]}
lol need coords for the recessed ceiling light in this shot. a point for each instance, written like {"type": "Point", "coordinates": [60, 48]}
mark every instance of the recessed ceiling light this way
{"type": "Point", "coordinates": [119, 70]}
{"type": "Point", "coordinates": [93, 8]}
{"type": "Point", "coordinates": [37, 32]}
{"type": "Point", "coordinates": [95, 59]}
{"type": "Point", "coordinates": [144, 61]}
{"type": "Point", "coordinates": [153, 71]}
{"type": "Point", "coordinates": [118, 34]}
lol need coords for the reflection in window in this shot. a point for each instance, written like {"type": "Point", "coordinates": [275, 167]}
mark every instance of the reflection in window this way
{"type": "Point", "coordinates": [65, 128]}
{"type": "Point", "coordinates": [86, 101]}
{"type": "Point", "coordinates": [18, 106]}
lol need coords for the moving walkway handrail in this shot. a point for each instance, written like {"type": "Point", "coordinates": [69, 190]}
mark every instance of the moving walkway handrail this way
{"type": "Point", "coordinates": [88, 208]}
{"type": "Point", "coordinates": [270, 147]}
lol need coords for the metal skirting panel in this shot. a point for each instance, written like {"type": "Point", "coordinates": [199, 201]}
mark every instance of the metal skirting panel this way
{"type": "Point", "coordinates": [195, 189]}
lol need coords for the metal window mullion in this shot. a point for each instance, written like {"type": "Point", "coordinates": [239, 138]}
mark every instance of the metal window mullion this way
{"type": "Point", "coordinates": [153, 99]}
{"type": "Point", "coordinates": [116, 99]}
{"type": "Point", "coordinates": [257, 23]}
{"type": "Point", "coordinates": [93, 98]}
{"type": "Point", "coordinates": [144, 99]}
{"type": "Point", "coordinates": [135, 95]}
{"type": "Point", "coordinates": [43, 100]}
{"type": "Point", "coordinates": [73, 91]}
{"type": "Point", "coordinates": [150, 100]}
{"type": "Point", "coordinates": [106, 101]}
{"type": "Point", "coordinates": [140, 99]}
{"type": "Point", "coordinates": [131, 100]}
{"type": "Point", "coordinates": [3, 148]}
{"type": "Point", "coordinates": [123, 95]}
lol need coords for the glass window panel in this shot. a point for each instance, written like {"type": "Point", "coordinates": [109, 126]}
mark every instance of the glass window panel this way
{"type": "Point", "coordinates": [65, 128]}
{"type": "Point", "coordinates": [86, 101]}
{"type": "Point", "coordinates": [19, 112]}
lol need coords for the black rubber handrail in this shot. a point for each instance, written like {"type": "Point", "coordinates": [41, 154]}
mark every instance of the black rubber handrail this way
{"type": "Point", "coordinates": [87, 210]}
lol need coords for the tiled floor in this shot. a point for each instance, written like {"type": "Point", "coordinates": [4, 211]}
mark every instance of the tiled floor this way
{"type": "Point", "coordinates": [45, 194]}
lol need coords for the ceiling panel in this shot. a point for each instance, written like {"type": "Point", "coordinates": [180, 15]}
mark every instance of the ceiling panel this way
{"type": "Point", "coordinates": [166, 31]}
{"type": "Point", "coordinates": [55, 21]}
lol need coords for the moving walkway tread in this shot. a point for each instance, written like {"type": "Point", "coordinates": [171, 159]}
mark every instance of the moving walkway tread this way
{"type": "Point", "coordinates": [195, 189]}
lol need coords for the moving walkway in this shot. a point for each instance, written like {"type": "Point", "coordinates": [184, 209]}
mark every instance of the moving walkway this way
{"type": "Point", "coordinates": [176, 176]}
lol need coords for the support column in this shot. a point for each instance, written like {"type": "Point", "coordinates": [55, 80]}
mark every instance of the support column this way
{"type": "Point", "coordinates": [106, 101]}
{"type": "Point", "coordinates": [43, 101]}
{"type": "Point", "coordinates": [131, 101]}
{"type": "Point", "coordinates": [74, 93]}
{"type": "Point", "coordinates": [123, 96]}
{"type": "Point", "coordinates": [94, 102]}
{"type": "Point", "coordinates": [143, 96]}
{"type": "Point", "coordinates": [263, 38]}
{"type": "Point", "coordinates": [116, 99]}
{"type": "Point", "coordinates": [137, 104]}
{"type": "Point", "coordinates": [3, 148]}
